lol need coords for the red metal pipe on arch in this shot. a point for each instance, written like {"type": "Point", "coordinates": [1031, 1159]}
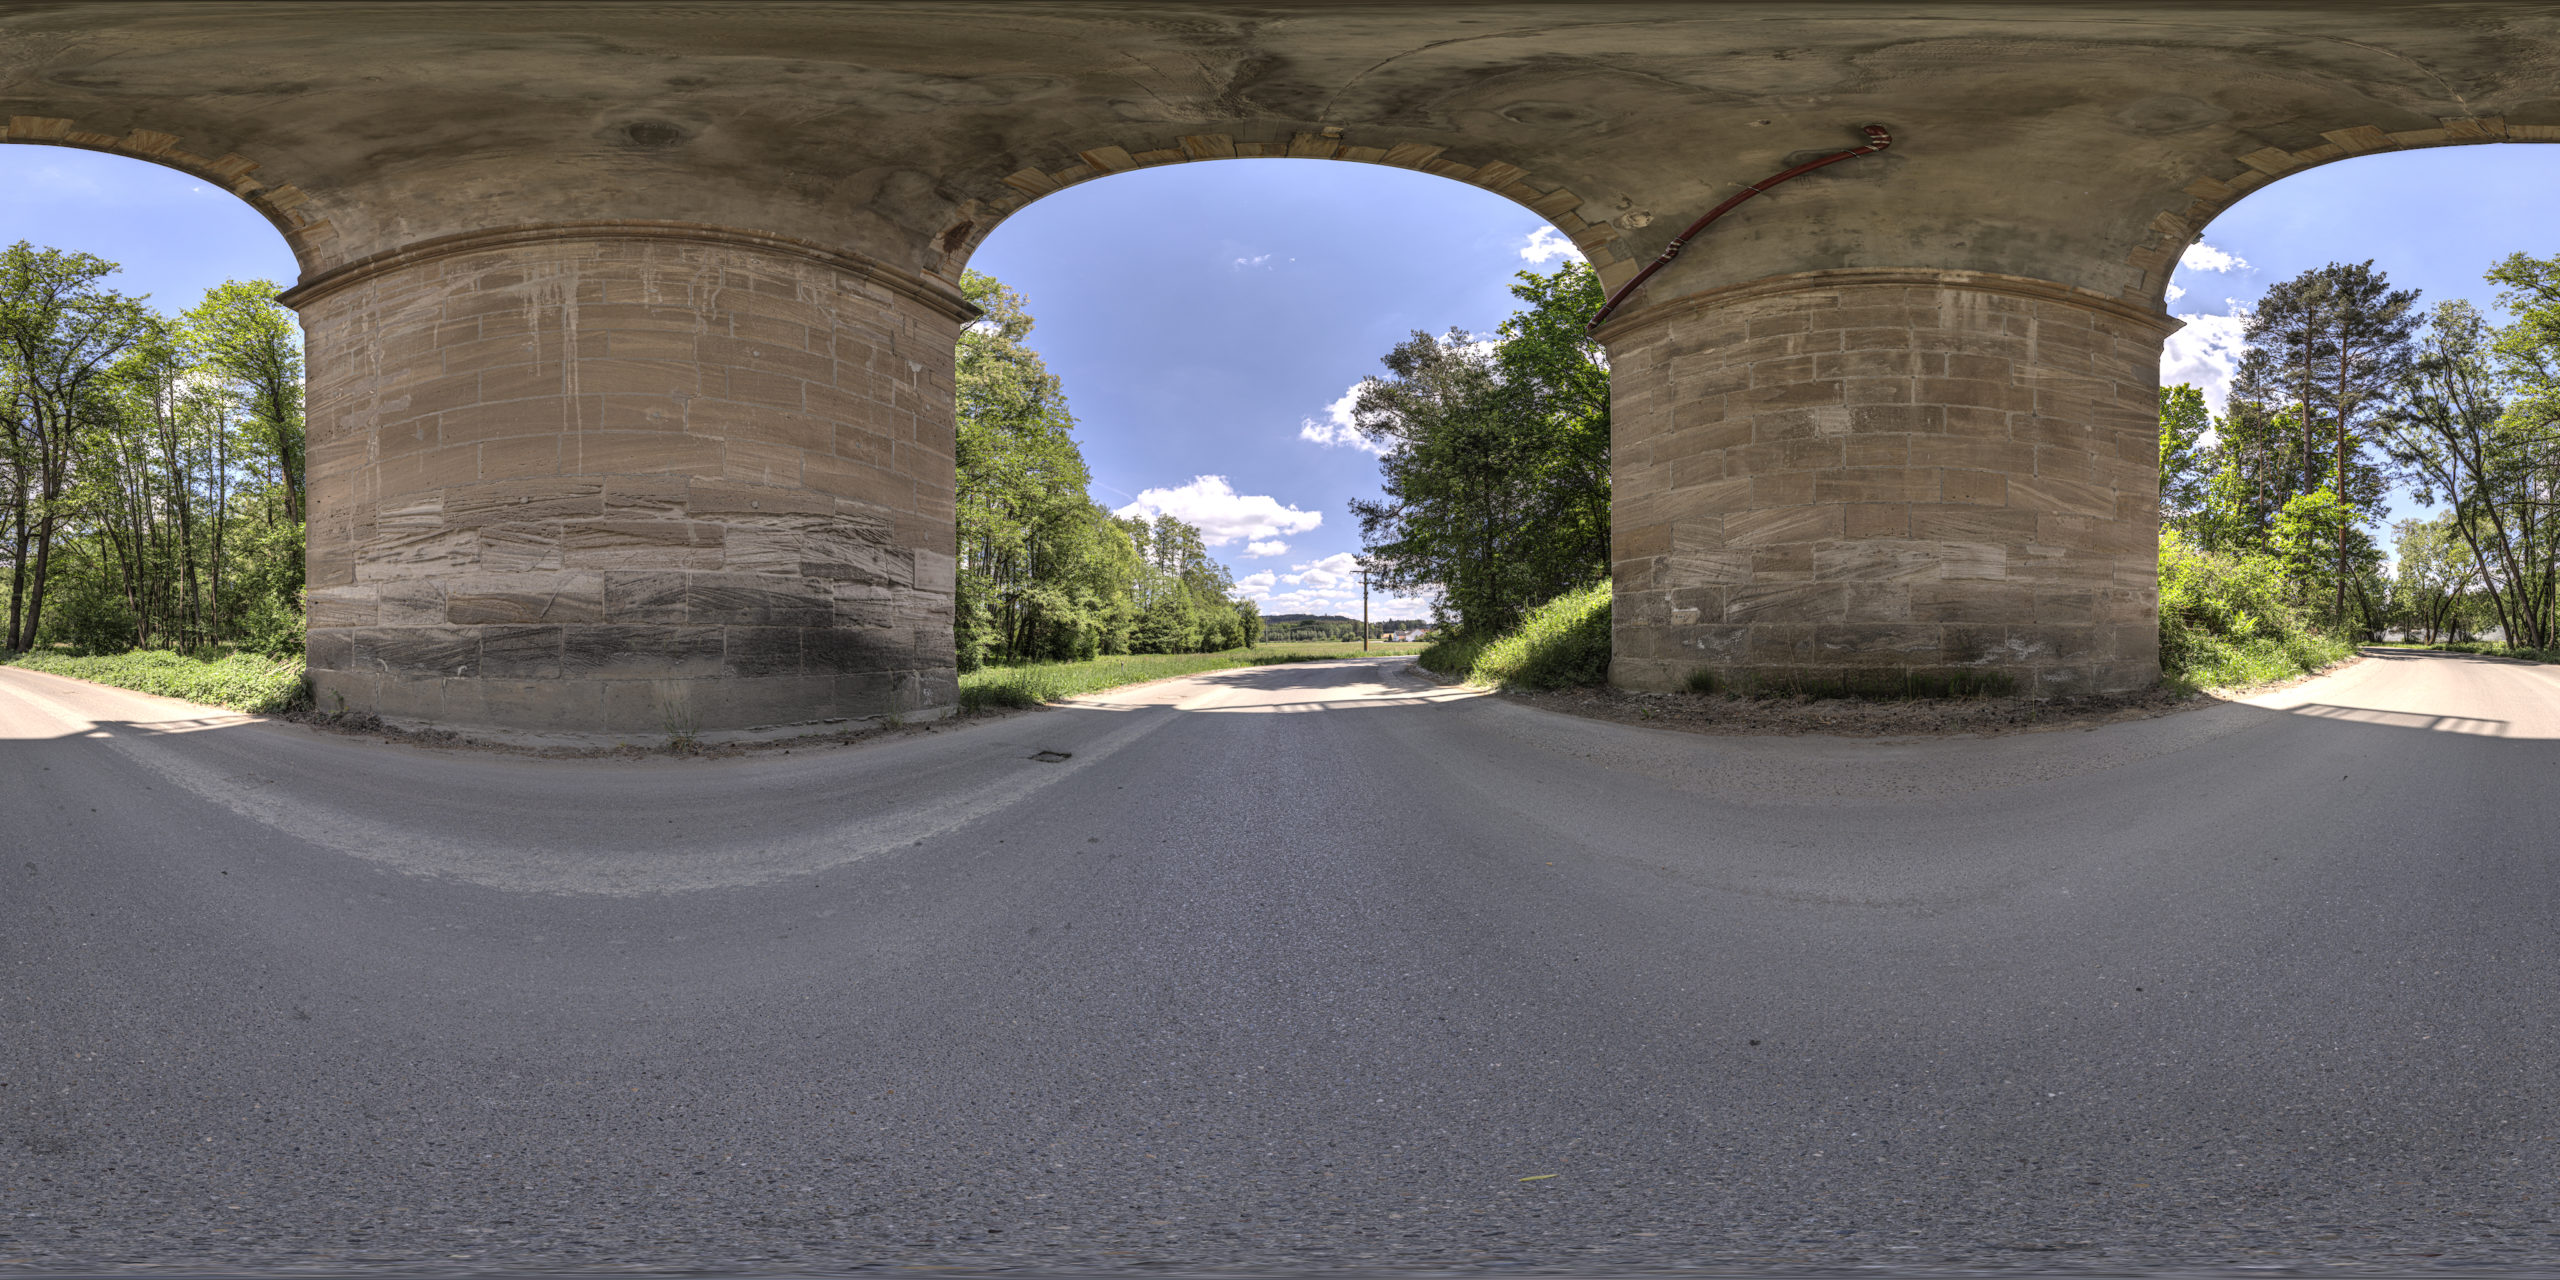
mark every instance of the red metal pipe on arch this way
{"type": "Point", "coordinates": [1877, 140]}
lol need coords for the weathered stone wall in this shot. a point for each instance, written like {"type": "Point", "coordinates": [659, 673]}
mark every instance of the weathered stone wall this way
{"type": "Point", "coordinates": [1865, 473]}
{"type": "Point", "coordinates": [629, 481]}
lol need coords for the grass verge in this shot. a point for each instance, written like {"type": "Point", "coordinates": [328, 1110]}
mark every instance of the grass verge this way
{"type": "Point", "coordinates": [1562, 643]}
{"type": "Point", "coordinates": [241, 681]}
{"type": "Point", "coordinates": [2482, 647]}
{"type": "Point", "coordinates": [2226, 622]}
{"type": "Point", "coordinates": [1031, 684]}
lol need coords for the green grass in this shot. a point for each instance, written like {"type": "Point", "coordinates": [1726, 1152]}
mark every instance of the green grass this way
{"type": "Point", "coordinates": [1031, 684]}
{"type": "Point", "coordinates": [240, 681]}
{"type": "Point", "coordinates": [1562, 643]}
{"type": "Point", "coordinates": [2211, 662]}
{"type": "Point", "coordinates": [2226, 622]}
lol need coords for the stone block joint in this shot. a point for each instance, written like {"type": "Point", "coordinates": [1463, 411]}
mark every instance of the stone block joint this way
{"type": "Point", "coordinates": [606, 479]}
{"type": "Point", "coordinates": [1859, 476]}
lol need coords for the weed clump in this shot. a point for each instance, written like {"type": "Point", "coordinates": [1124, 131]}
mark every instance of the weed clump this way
{"type": "Point", "coordinates": [249, 682]}
{"type": "Point", "coordinates": [1562, 643]}
{"type": "Point", "coordinates": [2225, 620]}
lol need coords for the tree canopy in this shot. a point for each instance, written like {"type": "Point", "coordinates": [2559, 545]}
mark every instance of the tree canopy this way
{"type": "Point", "coordinates": [1496, 458]}
{"type": "Point", "coordinates": [1046, 573]}
{"type": "Point", "coordinates": [150, 466]}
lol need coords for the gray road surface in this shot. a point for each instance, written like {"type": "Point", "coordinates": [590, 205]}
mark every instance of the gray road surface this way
{"type": "Point", "coordinates": [1312, 966]}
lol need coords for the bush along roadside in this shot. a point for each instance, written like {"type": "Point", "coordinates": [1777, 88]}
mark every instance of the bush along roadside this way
{"type": "Point", "coordinates": [2225, 620]}
{"type": "Point", "coordinates": [1562, 643]}
{"type": "Point", "coordinates": [240, 681]}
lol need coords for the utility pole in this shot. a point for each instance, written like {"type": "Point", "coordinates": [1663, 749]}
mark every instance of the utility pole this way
{"type": "Point", "coordinates": [1364, 606]}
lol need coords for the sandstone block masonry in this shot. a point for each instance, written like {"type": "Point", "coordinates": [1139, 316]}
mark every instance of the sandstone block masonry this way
{"type": "Point", "coordinates": [1868, 474]}
{"type": "Point", "coordinates": [629, 480]}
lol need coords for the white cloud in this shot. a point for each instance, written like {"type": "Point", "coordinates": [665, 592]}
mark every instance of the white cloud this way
{"type": "Point", "coordinates": [1330, 584]}
{"type": "Point", "coordinates": [1545, 245]}
{"type": "Point", "coordinates": [1257, 550]}
{"type": "Point", "coordinates": [1222, 514]}
{"type": "Point", "coordinates": [2204, 257]}
{"type": "Point", "coordinates": [2206, 353]}
{"type": "Point", "coordinates": [1331, 571]}
{"type": "Point", "coordinates": [1336, 430]}
{"type": "Point", "coordinates": [2176, 293]}
{"type": "Point", "coordinates": [1258, 260]}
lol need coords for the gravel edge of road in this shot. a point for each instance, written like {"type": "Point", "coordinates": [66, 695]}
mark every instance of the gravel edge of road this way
{"type": "Point", "coordinates": [1984, 717]}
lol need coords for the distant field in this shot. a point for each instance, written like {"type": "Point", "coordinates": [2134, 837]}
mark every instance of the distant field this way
{"type": "Point", "coordinates": [1036, 683]}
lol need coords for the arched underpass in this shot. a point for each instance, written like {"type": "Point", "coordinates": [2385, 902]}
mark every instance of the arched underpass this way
{"type": "Point", "coordinates": [1293, 967]}
{"type": "Point", "coordinates": [1285, 968]}
{"type": "Point", "coordinates": [630, 353]}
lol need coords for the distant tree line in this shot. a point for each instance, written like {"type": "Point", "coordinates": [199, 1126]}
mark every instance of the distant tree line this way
{"type": "Point", "coordinates": [1331, 628]}
{"type": "Point", "coordinates": [150, 465]}
{"type": "Point", "coordinates": [2345, 387]}
{"type": "Point", "coordinates": [1047, 574]}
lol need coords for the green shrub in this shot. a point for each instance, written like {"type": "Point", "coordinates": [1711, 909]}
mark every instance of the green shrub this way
{"type": "Point", "coordinates": [1562, 643]}
{"type": "Point", "coordinates": [1454, 655]}
{"type": "Point", "coordinates": [240, 681]}
{"type": "Point", "coordinates": [88, 616]}
{"type": "Point", "coordinates": [2224, 620]}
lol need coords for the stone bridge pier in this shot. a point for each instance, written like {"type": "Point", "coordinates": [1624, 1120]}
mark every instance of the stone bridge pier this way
{"type": "Point", "coordinates": [634, 478]}
{"type": "Point", "coordinates": [1864, 476]}
{"type": "Point", "coordinates": [630, 329]}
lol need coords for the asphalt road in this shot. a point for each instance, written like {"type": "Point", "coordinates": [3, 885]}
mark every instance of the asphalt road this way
{"type": "Point", "coordinates": [1305, 966]}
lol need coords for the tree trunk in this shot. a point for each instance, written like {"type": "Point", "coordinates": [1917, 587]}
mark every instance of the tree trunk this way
{"type": "Point", "coordinates": [18, 574]}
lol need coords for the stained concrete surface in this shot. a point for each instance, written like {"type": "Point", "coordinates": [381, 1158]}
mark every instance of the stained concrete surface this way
{"type": "Point", "coordinates": [2046, 141]}
{"type": "Point", "coordinates": [1309, 967]}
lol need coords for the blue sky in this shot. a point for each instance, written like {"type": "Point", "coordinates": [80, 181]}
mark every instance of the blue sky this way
{"type": "Point", "coordinates": [1208, 319]}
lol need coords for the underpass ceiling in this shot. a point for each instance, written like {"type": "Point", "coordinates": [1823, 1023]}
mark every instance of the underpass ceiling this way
{"type": "Point", "coordinates": [2084, 145]}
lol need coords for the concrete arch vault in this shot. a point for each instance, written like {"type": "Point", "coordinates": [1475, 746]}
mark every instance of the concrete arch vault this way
{"type": "Point", "coordinates": [630, 326]}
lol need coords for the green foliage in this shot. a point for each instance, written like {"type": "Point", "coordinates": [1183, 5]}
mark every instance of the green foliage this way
{"type": "Point", "coordinates": [1561, 643]}
{"type": "Point", "coordinates": [241, 681]}
{"type": "Point", "coordinates": [1496, 468]}
{"type": "Point", "coordinates": [87, 617]}
{"type": "Point", "coordinates": [150, 467]}
{"type": "Point", "coordinates": [2229, 619]}
{"type": "Point", "coordinates": [1045, 574]}
{"type": "Point", "coordinates": [1454, 655]}
{"type": "Point", "coordinates": [2478, 426]}
{"type": "Point", "coordinates": [2185, 478]}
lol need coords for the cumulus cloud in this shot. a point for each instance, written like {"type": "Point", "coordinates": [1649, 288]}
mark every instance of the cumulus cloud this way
{"type": "Point", "coordinates": [2176, 293]}
{"type": "Point", "coordinates": [1336, 430]}
{"type": "Point", "coordinates": [1258, 549]}
{"type": "Point", "coordinates": [1331, 571]}
{"type": "Point", "coordinates": [2204, 257]}
{"type": "Point", "coordinates": [1221, 514]}
{"type": "Point", "coordinates": [2206, 352]}
{"type": "Point", "coordinates": [1330, 584]}
{"type": "Point", "coordinates": [1545, 245]}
